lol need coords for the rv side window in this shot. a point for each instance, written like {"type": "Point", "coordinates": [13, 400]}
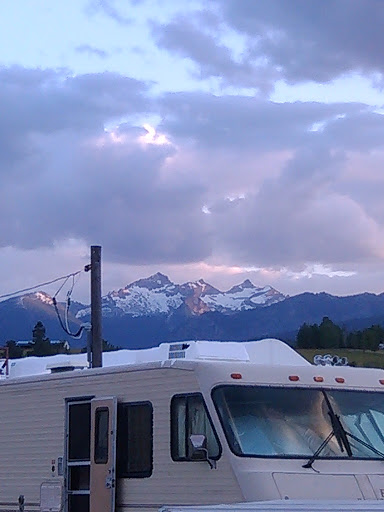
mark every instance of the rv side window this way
{"type": "Point", "coordinates": [189, 416]}
{"type": "Point", "coordinates": [135, 440]}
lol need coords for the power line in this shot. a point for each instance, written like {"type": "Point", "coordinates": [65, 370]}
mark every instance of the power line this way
{"type": "Point", "coordinates": [18, 292]}
{"type": "Point", "coordinates": [65, 324]}
{"type": "Point", "coordinates": [75, 335]}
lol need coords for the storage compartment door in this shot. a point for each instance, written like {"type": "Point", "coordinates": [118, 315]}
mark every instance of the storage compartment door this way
{"type": "Point", "coordinates": [103, 454]}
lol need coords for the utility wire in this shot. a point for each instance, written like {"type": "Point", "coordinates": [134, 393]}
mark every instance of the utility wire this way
{"type": "Point", "coordinates": [62, 286]}
{"type": "Point", "coordinates": [18, 292]}
{"type": "Point", "coordinates": [69, 293]}
{"type": "Point", "coordinates": [75, 335]}
{"type": "Point", "coordinates": [65, 324]}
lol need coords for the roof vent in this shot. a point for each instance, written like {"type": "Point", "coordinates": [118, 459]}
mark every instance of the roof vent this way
{"type": "Point", "coordinates": [177, 350]}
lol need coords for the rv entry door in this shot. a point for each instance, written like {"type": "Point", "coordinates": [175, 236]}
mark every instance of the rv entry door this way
{"type": "Point", "coordinates": [103, 454]}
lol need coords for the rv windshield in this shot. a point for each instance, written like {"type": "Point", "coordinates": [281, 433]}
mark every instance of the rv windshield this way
{"type": "Point", "coordinates": [288, 422]}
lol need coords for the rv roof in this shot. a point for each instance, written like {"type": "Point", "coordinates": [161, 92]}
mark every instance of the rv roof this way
{"type": "Point", "coordinates": [266, 352]}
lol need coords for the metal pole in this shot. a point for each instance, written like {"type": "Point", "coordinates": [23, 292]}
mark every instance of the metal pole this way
{"type": "Point", "coordinates": [89, 347]}
{"type": "Point", "coordinates": [96, 329]}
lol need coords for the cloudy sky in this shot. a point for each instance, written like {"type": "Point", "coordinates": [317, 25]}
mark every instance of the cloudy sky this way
{"type": "Point", "coordinates": [240, 140]}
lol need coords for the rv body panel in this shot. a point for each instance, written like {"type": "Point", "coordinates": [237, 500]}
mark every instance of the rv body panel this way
{"type": "Point", "coordinates": [33, 437]}
{"type": "Point", "coordinates": [36, 428]}
{"type": "Point", "coordinates": [286, 478]}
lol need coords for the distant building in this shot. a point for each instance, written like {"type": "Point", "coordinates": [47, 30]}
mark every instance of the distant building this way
{"type": "Point", "coordinates": [64, 345]}
{"type": "Point", "coordinates": [61, 346]}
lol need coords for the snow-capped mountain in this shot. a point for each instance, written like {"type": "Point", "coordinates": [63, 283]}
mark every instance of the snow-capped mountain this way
{"type": "Point", "coordinates": [243, 297]}
{"type": "Point", "coordinates": [153, 310]}
{"type": "Point", "coordinates": [158, 295]}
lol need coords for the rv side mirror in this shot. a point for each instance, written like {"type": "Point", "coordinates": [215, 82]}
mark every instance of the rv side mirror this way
{"type": "Point", "coordinates": [199, 446]}
{"type": "Point", "coordinates": [198, 441]}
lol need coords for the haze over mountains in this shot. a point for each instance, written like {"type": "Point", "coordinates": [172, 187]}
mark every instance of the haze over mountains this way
{"type": "Point", "coordinates": [151, 310]}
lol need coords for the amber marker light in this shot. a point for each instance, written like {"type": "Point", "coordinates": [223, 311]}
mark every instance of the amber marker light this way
{"type": "Point", "coordinates": [236, 376]}
{"type": "Point", "coordinates": [340, 380]}
{"type": "Point", "coordinates": [318, 379]}
{"type": "Point", "coordinates": [294, 378]}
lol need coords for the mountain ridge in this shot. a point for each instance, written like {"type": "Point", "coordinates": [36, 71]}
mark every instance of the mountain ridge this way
{"type": "Point", "coordinates": [152, 310]}
{"type": "Point", "coordinates": [158, 295]}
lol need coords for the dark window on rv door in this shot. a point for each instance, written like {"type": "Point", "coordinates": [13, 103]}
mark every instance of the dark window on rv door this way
{"type": "Point", "coordinates": [79, 428]}
{"type": "Point", "coordinates": [189, 416]}
{"type": "Point", "coordinates": [101, 435]}
{"type": "Point", "coordinates": [135, 440]}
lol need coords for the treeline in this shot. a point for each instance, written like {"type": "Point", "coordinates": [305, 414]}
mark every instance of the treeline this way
{"type": "Point", "coordinates": [329, 335]}
{"type": "Point", "coordinates": [41, 345]}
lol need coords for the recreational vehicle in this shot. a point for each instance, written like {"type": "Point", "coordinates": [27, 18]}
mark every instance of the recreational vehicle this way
{"type": "Point", "coordinates": [187, 424]}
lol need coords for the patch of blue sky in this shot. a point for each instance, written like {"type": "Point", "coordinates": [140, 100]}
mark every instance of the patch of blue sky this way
{"type": "Point", "coordinates": [57, 35]}
{"type": "Point", "coordinates": [350, 88]}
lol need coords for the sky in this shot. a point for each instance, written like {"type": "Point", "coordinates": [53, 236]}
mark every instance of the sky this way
{"type": "Point", "coordinates": [223, 140]}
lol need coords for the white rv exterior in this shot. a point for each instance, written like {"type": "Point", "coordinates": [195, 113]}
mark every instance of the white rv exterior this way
{"type": "Point", "coordinates": [255, 403]}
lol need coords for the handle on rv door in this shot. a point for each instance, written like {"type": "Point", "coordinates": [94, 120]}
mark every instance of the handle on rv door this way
{"type": "Point", "coordinates": [110, 481]}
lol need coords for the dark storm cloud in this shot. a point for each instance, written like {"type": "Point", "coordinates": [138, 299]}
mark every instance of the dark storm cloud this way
{"type": "Point", "coordinates": [296, 40]}
{"type": "Point", "coordinates": [246, 122]}
{"type": "Point", "coordinates": [300, 214]}
{"type": "Point", "coordinates": [39, 101]}
{"type": "Point", "coordinates": [296, 218]}
{"type": "Point", "coordinates": [44, 101]}
{"type": "Point", "coordinates": [183, 37]}
{"type": "Point", "coordinates": [111, 193]}
{"type": "Point", "coordinates": [66, 176]}
{"type": "Point", "coordinates": [312, 40]}
{"type": "Point", "coordinates": [360, 131]}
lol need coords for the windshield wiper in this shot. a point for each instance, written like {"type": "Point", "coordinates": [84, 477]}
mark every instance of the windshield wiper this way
{"type": "Point", "coordinates": [342, 438]}
{"type": "Point", "coordinates": [367, 445]}
{"type": "Point", "coordinates": [338, 431]}
{"type": "Point", "coordinates": [342, 435]}
{"type": "Point", "coordinates": [319, 450]}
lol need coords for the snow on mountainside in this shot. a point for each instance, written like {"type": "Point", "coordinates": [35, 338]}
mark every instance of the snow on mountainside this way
{"type": "Point", "coordinates": [151, 296]}
{"type": "Point", "coordinates": [158, 295]}
{"type": "Point", "coordinates": [242, 297]}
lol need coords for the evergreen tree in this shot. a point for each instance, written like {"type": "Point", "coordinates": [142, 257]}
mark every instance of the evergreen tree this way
{"type": "Point", "coordinates": [14, 351]}
{"type": "Point", "coordinates": [372, 337]}
{"type": "Point", "coordinates": [108, 347]}
{"type": "Point", "coordinates": [308, 336]}
{"type": "Point", "coordinates": [331, 336]}
{"type": "Point", "coordinates": [41, 344]}
{"type": "Point", "coordinates": [354, 340]}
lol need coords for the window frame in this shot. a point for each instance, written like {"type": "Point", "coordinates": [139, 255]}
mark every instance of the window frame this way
{"type": "Point", "coordinates": [173, 429]}
{"type": "Point", "coordinates": [325, 389]}
{"type": "Point", "coordinates": [122, 453]}
{"type": "Point", "coordinates": [71, 441]}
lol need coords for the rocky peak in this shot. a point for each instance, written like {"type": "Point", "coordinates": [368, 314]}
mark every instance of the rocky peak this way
{"type": "Point", "coordinates": [243, 286]}
{"type": "Point", "coordinates": [157, 280]}
{"type": "Point", "coordinates": [199, 288]}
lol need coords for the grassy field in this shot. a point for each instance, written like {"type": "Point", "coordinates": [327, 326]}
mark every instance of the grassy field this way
{"type": "Point", "coordinates": [364, 358]}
